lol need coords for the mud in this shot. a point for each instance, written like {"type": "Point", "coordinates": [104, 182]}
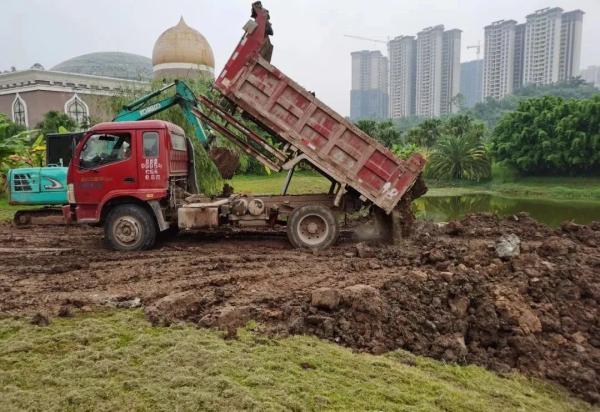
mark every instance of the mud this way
{"type": "Point", "coordinates": [443, 292]}
{"type": "Point", "coordinates": [226, 160]}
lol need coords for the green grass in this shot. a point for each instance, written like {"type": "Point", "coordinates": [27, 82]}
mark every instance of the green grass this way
{"type": "Point", "coordinates": [115, 360]}
{"type": "Point", "coordinates": [302, 182]}
{"type": "Point", "coordinates": [7, 211]}
{"type": "Point", "coordinates": [558, 188]}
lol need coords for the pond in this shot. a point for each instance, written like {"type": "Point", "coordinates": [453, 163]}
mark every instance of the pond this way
{"type": "Point", "coordinates": [550, 212]}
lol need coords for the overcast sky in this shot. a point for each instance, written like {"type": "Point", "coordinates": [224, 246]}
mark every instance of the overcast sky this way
{"type": "Point", "coordinates": [309, 34]}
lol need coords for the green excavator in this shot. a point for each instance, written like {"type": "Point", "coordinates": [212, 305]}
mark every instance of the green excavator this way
{"type": "Point", "coordinates": [46, 187]}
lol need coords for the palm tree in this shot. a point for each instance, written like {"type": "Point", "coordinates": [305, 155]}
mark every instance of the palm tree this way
{"type": "Point", "coordinates": [459, 157]}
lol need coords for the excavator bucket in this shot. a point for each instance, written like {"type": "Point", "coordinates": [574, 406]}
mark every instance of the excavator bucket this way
{"type": "Point", "coordinates": [226, 160]}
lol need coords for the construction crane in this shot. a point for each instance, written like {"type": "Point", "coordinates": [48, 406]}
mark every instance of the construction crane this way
{"type": "Point", "coordinates": [477, 47]}
{"type": "Point", "coordinates": [386, 42]}
{"type": "Point", "coordinates": [365, 38]}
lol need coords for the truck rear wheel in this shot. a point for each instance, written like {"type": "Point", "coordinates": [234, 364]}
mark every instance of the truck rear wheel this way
{"type": "Point", "coordinates": [312, 227]}
{"type": "Point", "coordinates": [129, 228]}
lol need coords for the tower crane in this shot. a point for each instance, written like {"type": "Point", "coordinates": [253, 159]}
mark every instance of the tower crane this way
{"type": "Point", "coordinates": [365, 38]}
{"type": "Point", "coordinates": [477, 47]}
{"type": "Point", "coordinates": [386, 42]}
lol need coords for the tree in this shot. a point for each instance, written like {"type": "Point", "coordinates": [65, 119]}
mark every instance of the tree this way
{"type": "Point", "coordinates": [459, 157]}
{"type": "Point", "coordinates": [8, 128]}
{"type": "Point", "coordinates": [551, 136]}
{"type": "Point", "coordinates": [385, 132]}
{"type": "Point", "coordinates": [463, 125]}
{"type": "Point", "coordinates": [56, 122]}
{"type": "Point", "coordinates": [425, 134]}
{"type": "Point", "coordinates": [491, 110]}
{"type": "Point", "coordinates": [18, 147]}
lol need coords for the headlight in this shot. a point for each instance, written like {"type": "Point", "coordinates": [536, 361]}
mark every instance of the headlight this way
{"type": "Point", "coordinates": [71, 193]}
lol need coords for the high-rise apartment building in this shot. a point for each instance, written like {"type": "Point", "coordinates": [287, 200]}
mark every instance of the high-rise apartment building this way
{"type": "Point", "coordinates": [546, 49]}
{"type": "Point", "coordinates": [498, 65]}
{"type": "Point", "coordinates": [570, 44]}
{"type": "Point", "coordinates": [519, 56]}
{"type": "Point", "coordinates": [542, 46]}
{"type": "Point", "coordinates": [471, 82]}
{"type": "Point", "coordinates": [450, 71]}
{"type": "Point", "coordinates": [429, 71]}
{"type": "Point", "coordinates": [437, 71]}
{"type": "Point", "coordinates": [403, 71]}
{"type": "Point", "coordinates": [369, 94]}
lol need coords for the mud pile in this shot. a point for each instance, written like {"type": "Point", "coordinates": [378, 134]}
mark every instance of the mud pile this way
{"type": "Point", "coordinates": [536, 312]}
{"type": "Point", "coordinates": [443, 292]}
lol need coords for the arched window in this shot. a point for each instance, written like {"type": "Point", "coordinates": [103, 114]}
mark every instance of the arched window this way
{"type": "Point", "coordinates": [77, 109]}
{"type": "Point", "coordinates": [19, 111]}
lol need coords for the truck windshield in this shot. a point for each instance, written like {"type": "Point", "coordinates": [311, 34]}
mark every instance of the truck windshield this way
{"type": "Point", "coordinates": [101, 149]}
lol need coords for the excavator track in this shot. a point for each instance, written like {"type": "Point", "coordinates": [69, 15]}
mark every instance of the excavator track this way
{"type": "Point", "coordinates": [24, 217]}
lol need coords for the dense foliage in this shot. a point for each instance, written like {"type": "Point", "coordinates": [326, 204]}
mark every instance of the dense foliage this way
{"type": "Point", "coordinates": [551, 136]}
{"type": "Point", "coordinates": [56, 122]}
{"type": "Point", "coordinates": [458, 151]}
{"type": "Point", "coordinates": [385, 132]}
{"type": "Point", "coordinates": [491, 110]}
{"type": "Point", "coordinates": [18, 148]}
{"type": "Point", "coordinates": [453, 145]}
{"type": "Point", "coordinates": [8, 128]}
{"type": "Point", "coordinates": [426, 134]}
{"type": "Point", "coordinates": [459, 157]}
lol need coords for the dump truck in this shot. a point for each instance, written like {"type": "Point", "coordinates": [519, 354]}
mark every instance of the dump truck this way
{"type": "Point", "coordinates": [133, 178]}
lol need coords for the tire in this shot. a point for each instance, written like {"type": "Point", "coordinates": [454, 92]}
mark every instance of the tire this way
{"type": "Point", "coordinates": [312, 227]}
{"type": "Point", "coordinates": [22, 218]}
{"type": "Point", "coordinates": [129, 227]}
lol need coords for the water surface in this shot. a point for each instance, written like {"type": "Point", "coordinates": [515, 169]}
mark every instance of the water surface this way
{"type": "Point", "coordinates": [550, 212]}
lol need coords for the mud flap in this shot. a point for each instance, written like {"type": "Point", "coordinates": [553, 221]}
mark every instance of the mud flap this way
{"type": "Point", "coordinates": [158, 214]}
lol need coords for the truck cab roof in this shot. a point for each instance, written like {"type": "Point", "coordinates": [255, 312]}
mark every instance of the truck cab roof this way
{"type": "Point", "coordinates": [138, 125]}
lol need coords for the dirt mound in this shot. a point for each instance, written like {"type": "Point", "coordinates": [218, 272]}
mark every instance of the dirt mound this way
{"type": "Point", "coordinates": [537, 312]}
{"type": "Point", "coordinates": [446, 292]}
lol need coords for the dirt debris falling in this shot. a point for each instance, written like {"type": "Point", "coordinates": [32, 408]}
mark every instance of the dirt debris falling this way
{"type": "Point", "coordinates": [443, 292]}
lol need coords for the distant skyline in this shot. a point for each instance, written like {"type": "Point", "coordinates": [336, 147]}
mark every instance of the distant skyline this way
{"type": "Point", "coordinates": [309, 35]}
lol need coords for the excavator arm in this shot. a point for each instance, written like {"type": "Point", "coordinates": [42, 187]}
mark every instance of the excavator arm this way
{"type": "Point", "coordinates": [145, 107]}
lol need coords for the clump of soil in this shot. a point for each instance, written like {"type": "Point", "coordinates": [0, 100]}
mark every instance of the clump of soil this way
{"type": "Point", "coordinates": [445, 291]}
{"type": "Point", "coordinates": [456, 300]}
{"type": "Point", "coordinates": [226, 160]}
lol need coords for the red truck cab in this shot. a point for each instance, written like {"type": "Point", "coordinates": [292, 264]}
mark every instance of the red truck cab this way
{"type": "Point", "coordinates": [125, 165]}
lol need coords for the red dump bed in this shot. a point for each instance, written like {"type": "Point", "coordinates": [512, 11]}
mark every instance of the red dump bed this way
{"type": "Point", "coordinates": [329, 141]}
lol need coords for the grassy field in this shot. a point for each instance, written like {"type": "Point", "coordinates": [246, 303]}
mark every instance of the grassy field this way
{"type": "Point", "coordinates": [115, 360]}
{"type": "Point", "coordinates": [557, 188]}
{"type": "Point", "coordinates": [7, 211]}
{"type": "Point", "coordinates": [560, 188]}
{"type": "Point", "coordinates": [302, 182]}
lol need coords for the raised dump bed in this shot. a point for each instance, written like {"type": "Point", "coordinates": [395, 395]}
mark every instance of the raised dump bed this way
{"type": "Point", "coordinates": [307, 127]}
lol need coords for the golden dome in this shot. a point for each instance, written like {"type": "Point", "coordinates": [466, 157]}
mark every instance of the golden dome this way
{"type": "Point", "coordinates": [180, 51]}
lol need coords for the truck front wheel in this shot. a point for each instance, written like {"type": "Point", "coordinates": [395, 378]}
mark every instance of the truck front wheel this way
{"type": "Point", "coordinates": [312, 227]}
{"type": "Point", "coordinates": [129, 227]}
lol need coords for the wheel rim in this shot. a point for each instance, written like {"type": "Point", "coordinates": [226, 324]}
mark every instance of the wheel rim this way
{"type": "Point", "coordinates": [313, 229]}
{"type": "Point", "coordinates": [127, 231]}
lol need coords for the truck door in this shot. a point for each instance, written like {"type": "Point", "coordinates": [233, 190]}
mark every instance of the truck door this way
{"type": "Point", "coordinates": [151, 170]}
{"type": "Point", "coordinates": [106, 163]}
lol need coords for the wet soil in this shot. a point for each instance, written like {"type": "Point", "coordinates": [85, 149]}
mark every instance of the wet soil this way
{"type": "Point", "coordinates": [442, 292]}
